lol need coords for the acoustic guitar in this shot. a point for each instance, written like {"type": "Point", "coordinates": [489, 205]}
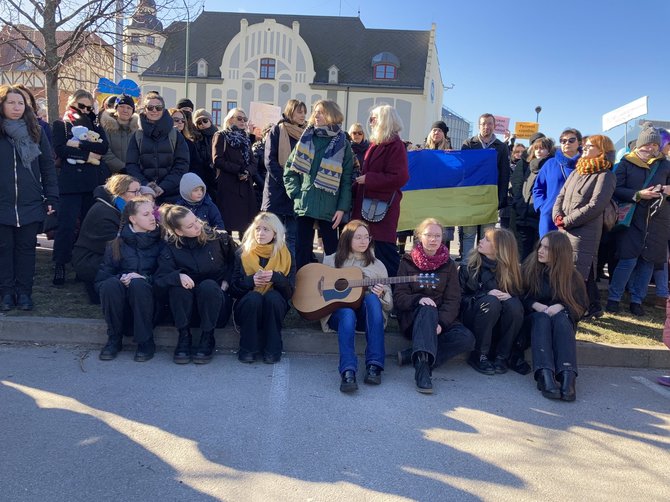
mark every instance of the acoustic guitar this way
{"type": "Point", "coordinates": [321, 290]}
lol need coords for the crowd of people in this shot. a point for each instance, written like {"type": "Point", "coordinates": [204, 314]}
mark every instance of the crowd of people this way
{"type": "Point", "coordinates": [147, 204]}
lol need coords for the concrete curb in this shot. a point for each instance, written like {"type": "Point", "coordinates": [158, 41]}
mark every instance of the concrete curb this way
{"type": "Point", "coordinates": [58, 330]}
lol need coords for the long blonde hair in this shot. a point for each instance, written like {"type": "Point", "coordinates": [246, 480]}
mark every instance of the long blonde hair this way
{"type": "Point", "coordinates": [389, 124]}
{"type": "Point", "coordinates": [171, 216]}
{"type": "Point", "coordinates": [508, 271]}
{"type": "Point", "coordinates": [249, 238]}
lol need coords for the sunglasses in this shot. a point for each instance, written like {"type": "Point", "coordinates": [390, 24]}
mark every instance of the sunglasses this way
{"type": "Point", "coordinates": [154, 108]}
{"type": "Point", "coordinates": [82, 106]}
{"type": "Point", "coordinates": [203, 121]}
{"type": "Point", "coordinates": [357, 133]}
{"type": "Point", "coordinates": [243, 119]}
{"type": "Point", "coordinates": [568, 140]}
{"type": "Point", "coordinates": [177, 120]}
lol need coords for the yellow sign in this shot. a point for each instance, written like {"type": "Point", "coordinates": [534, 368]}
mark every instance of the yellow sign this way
{"type": "Point", "coordinates": [525, 130]}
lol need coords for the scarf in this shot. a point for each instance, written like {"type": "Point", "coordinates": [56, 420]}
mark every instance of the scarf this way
{"type": "Point", "coordinates": [591, 166]}
{"type": "Point", "coordinates": [280, 262]}
{"type": "Point", "coordinates": [634, 159]}
{"type": "Point", "coordinates": [329, 171]}
{"type": "Point", "coordinates": [75, 117]}
{"type": "Point", "coordinates": [119, 203]}
{"type": "Point", "coordinates": [287, 129]}
{"type": "Point", "coordinates": [239, 140]}
{"type": "Point", "coordinates": [427, 263]}
{"type": "Point", "coordinates": [17, 132]}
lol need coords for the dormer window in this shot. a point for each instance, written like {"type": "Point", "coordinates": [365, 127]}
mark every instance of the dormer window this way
{"type": "Point", "coordinates": [267, 68]}
{"type": "Point", "coordinates": [385, 66]}
{"type": "Point", "coordinates": [202, 68]}
{"type": "Point", "coordinates": [151, 40]}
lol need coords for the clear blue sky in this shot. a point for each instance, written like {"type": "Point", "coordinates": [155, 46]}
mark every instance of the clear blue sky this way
{"type": "Point", "coordinates": [576, 60]}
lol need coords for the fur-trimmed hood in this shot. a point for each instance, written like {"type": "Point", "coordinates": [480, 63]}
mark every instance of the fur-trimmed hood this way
{"type": "Point", "coordinates": [109, 123]}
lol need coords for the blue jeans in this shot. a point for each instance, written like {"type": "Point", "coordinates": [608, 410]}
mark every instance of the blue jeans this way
{"type": "Point", "coordinates": [636, 272]}
{"type": "Point", "coordinates": [345, 321]}
{"type": "Point", "coordinates": [661, 281]}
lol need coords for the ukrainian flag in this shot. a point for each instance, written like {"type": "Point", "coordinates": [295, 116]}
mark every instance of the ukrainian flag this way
{"type": "Point", "coordinates": [457, 188]}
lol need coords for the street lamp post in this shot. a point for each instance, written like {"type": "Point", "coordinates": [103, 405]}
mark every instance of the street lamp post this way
{"type": "Point", "coordinates": [538, 109]}
{"type": "Point", "coordinates": [188, 23]}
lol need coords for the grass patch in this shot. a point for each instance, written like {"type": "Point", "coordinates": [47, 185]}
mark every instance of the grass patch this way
{"type": "Point", "coordinates": [71, 300]}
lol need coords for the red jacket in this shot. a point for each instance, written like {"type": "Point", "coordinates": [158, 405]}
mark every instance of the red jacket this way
{"type": "Point", "coordinates": [386, 172]}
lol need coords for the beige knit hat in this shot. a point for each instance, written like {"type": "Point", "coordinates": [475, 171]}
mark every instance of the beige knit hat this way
{"type": "Point", "coordinates": [201, 113]}
{"type": "Point", "coordinates": [648, 135]}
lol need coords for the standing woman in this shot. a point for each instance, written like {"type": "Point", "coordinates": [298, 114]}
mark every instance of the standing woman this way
{"type": "Point", "coordinates": [195, 267]}
{"type": "Point", "coordinates": [428, 315]}
{"type": "Point", "coordinates": [125, 280]}
{"type": "Point", "coordinates": [203, 130]}
{"type": "Point", "coordinates": [359, 144]}
{"type": "Point", "coordinates": [76, 181]}
{"type": "Point", "coordinates": [384, 173]}
{"type": "Point", "coordinates": [263, 281]}
{"type": "Point", "coordinates": [579, 210]}
{"type": "Point", "coordinates": [28, 192]}
{"type": "Point", "coordinates": [278, 146]}
{"type": "Point", "coordinates": [490, 306]}
{"type": "Point", "coordinates": [555, 301]}
{"type": "Point", "coordinates": [235, 165]}
{"type": "Point", "coordinates": [356, 249]}
{"type": "Point", "coordinates": [317, 177]}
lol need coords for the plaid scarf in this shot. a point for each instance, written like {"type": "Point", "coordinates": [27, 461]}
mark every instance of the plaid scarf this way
{"type": "Point", "coordinates": [329, 171]}
{"type": "Point", "coordinates": [591, 166]}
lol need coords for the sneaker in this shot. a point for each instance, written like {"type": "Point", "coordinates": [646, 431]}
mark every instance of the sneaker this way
{"type": "Point", "coordinates": [636, 309]}
{"type": "Point", "coordinates": [348, 383]}
{"type": "Point", "coordinates": [500, 365]}
{"type": "Point", "coordinates": [612, 306]}
{"type": "Point", "coordinates": [481, 364]}
{"type": "Point", "coordinates": [59, 275]}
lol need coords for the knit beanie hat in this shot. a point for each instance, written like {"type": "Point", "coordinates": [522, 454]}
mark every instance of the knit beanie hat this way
{"type": "Point", "coordinates": [201, 113]}
{"type": "Point", "coordinates": [188, 183]}
{"type": "Point", "coordinates": [535, 137]}
{"type": "Point", "coordinates": [648, 135]}
{"type": "Point", "coordinates": [185, 103]}
{"type": "Point", "coordinates": [145, 190]}
{"type": "Point", "coordinates": [124, 99]}
{"type": "Point", "coordinates": [440, 125]}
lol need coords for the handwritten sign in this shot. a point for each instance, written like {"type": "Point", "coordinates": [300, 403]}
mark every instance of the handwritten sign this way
{"type": "Point", "coordinates": [502, 124]}
{"type": "Point", "coordinates": [525, 130]}
{"type": "Point", "coordinates": [262, 114]}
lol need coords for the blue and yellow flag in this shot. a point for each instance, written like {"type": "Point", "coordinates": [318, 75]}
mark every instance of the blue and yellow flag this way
{"type": "Point", "coordinates": [457, 188]}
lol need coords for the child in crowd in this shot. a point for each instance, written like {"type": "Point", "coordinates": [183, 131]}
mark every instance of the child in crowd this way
{"type": "Point", "coordinates": [194, 197]}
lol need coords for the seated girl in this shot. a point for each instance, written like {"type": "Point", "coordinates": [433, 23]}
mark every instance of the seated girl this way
{"type": "Point", "coordinates": [355, 249]}
{"type": "Point", "coordinates": [490, 305]}
{"type": "Point", "coordinates": [195, 267]}
{"type": "Point", "coordinates": [555, 299]}
{"type": "Point", "coordinates": [194, 197]}
{"type": "Point", "coordinates": [125, 280]}
{"type": "Point", "coordinates": [428, 315]}
{"type": "Point", "coordinates": [263, 280]}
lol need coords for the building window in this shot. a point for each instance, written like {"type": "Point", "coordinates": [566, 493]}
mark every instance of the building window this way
{"type": "Point", "coordinates": [267, 68]}
{"type": "Point", "coordinates": [151, 40]}
{"type": "Point", "coordinates": [385, 72]}
{"type": "Point", "coordinates": [133, 63]}
{"type": "Point", "coordinates": [216, 112]}
{"type": "Point", "coordinates": [230, 105]}
{"type": "Point", "coordinates": [134, 39]}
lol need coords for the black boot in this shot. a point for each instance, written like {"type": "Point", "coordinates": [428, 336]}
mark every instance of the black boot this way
{"type": "Point", "coordinates": [422, 373]}
{"type": "Point", "coordinates": [145, 351]}
{"type": "Point", "coordinates": [205, 348]}
{"type": "Point", "coordinates": [112, 348]}
{"type": "Point", "coordinates": [59, 275]}
{"type": "Point", "coordinates": [567, 378]}
{"type": "Point", "coordinates": [182, 353]}
{"type": "Point", "coordinates": [348, 383]}
{"type": "Point", "coordinates": [405, 356]}
{"type": "Point", "coordinates": [546, 383]}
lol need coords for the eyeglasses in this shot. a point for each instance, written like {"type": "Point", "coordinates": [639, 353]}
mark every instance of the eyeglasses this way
{"type": "Point", "coordinates": [568, 140]}
{"type": "Point", "coordinates": [242, 118]}
{"type": "Point", "coordinates": [361, 237]}
{"type": "Point", "coordinates": [204, 121]}
{"type": "Point", "coordinates": [82, 106]}
{"type": "Point", "coordinates": [588, 146]}
{"type": "Point", "coordinates": [357, 133]}
{"type": "Point", "coordinates": [432, 236]}
{"type": "Point", "coordinates": [154, 108]}
{"type": "Point", "coordinates": [177, 120]}
{"type": "Point", "coordinates": [136, 192]}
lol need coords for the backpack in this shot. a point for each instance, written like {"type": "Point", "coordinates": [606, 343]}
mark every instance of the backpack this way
{"type": "Point", "coordinates": [172, 136]}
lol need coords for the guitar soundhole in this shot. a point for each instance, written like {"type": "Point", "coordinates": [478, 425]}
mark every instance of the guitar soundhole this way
{"type": "Point", "coordinates": [341, 284]}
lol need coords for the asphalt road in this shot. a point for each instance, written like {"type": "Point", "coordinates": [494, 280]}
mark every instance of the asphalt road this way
{"type": "Point", "coordinates": [73, 428]}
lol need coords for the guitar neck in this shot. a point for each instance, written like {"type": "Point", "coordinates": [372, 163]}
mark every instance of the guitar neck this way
{"type": "Point", "coordinates": [384, 280]}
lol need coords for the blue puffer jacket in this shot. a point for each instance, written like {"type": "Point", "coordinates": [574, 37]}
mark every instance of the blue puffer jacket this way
{"type": "Point", "coordinates": [205, 210]}
{"type": "Point", "coordinates": [139, 254]}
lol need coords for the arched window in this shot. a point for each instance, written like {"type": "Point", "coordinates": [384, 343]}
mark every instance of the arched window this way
{"type": "Point", "coordinates": [267, 68]}
{"type": "Point", "coordinates": [385, 66]}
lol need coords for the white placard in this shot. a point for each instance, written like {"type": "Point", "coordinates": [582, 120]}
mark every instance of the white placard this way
{"type": "Point", "coordinates": [625, 113]}
{"type": "Point", "coordinates": [262, 114]}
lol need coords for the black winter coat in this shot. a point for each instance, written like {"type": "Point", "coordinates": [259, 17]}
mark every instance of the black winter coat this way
{"type": "Point", "coordinates": [157, 161]}
{"type": "Point", "coordinates": [203, 147]}
{"type": "Point", "coordinates": [25, 192]}
{"type": "Point", "coordinates": [503, 165]}
{"type": "Point", "coordinates": [547, 296]}
{"type": "Point", "coordinates": [214, 261]}
{"type": "Point", "coordinates": [79, 178]}
{"type": "Point", "coordinates": [243, 283]}
{"type": "Point", "coordinates": [647, 235]}
{"type": "Point", "coordinates": [100, 225]}
{"type": "Point", "coordinates": [139, 254]}
{"type": "Point", "coordinates": [476, 286]}
{"type": "Point", "coordinates": [522, 181]}
{"type": "Point", "coordinates": [275, 198]}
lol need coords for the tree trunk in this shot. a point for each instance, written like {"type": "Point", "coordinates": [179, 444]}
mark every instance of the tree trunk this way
{"type": "Point", "coordinates": [51, 82]}
{"type": "Point", "coordinates": [51, 59]}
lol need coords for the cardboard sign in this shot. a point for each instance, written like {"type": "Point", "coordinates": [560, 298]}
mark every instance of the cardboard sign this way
{"type": "Point", "coordinates": [625, 113]}
{"type": "Point", "coordinates": [502, 124]}
{"type": "Point", "coordinates": [525, 130]}
{"type": "Point", "coordinates": [262, 114]}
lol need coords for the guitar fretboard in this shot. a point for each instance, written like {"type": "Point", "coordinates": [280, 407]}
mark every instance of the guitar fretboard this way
{"type": "Point", "coordinates": [393, 280]}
